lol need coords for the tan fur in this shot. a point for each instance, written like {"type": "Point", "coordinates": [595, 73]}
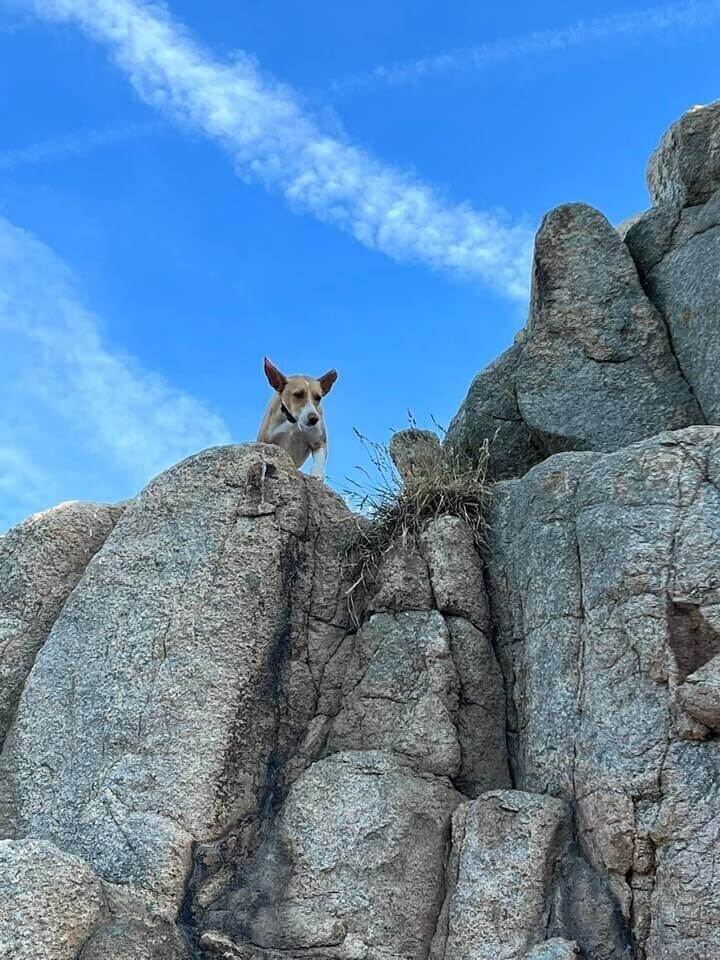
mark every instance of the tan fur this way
{"type": "Point", "coordinates": [302, 397]}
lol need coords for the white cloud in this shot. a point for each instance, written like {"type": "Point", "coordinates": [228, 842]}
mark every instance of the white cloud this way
{"type": "Point", "coordinates": [77, 419]}
{"type": "Point", "coordinates": [275, 141]}
{"type": "Point", "coordinates": [76, 144]}
{"type": "Point", "coordinates": [674, 19]}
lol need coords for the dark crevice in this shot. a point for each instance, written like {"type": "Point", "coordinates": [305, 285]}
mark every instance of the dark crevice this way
{"type": "Point", "coordinates": [242, 838]}
{"type": "Point", "coordinates": [693, 641]}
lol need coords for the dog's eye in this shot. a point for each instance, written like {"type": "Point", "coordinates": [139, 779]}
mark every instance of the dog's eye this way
{"type": "Point", "coordinates": [298, 394]}
{"type": "Point", "coordinates": [318, 397]}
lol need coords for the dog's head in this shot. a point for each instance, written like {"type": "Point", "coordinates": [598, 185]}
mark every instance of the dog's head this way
{"type": "Point", "coordinates": [301, 396]}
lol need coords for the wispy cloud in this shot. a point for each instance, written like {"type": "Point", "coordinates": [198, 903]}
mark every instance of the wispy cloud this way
{"type": "Point", "coordinates": [77, 418]}
{"type": "Point", "coordinates": [77, 144]}
{"type": "Point", "coordinates": [274, 140]}
{"type": "Point", "coordinates": [670, 19]}
{"type": "Point", "coordinates": [24, 486]}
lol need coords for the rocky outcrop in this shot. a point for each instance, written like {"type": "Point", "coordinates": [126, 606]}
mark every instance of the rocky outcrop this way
{"type": "Point", "coordinates": [685, 169]}
{"type": "Point", "coordinates": [594, 368]}
{"type": "Point", "coordinates": [41, 562]}
{"type": "Point", "coordinates": [200, 701]}
{"type": "Point", "coordinates": [676, 246]}
{"type": "Point", "coordinates": [180, 673]}
{"type": "Point", "coordinates": [604, 579]}
{"type": "Point", "coordinates": [505, 754]}
{"type": "Point", "coordinates": [410, 721]}
{"type": "Point", "coordinates": [677, 252]}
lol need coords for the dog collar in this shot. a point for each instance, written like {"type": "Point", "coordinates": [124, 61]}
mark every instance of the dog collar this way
{"type": "Point", "coordinates": [287, 413]}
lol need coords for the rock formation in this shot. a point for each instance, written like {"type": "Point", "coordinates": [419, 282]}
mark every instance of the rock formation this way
{"type": "Point", "coordinates": [506, 756]}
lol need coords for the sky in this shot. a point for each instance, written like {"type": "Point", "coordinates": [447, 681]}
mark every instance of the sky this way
{"type": "Point", "coordinates": [188, 187]}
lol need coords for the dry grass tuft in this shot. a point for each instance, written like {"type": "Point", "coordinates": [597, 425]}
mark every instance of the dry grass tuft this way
{"type": "Point", "coordinates": [396, 509]}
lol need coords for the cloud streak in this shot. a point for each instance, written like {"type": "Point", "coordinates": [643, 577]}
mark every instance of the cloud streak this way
{"type": "Point", "coordinates": [77, 418]}
{"type": "Point", "coordinates": [275, 141]}
{"type": "Point", "coordinates": [74, 145]}
{"type": "Point", "coordinates": [683, 18]}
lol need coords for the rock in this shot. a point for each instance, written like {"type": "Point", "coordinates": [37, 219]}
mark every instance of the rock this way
{"type": "Point", "coordinates": [127, 938]}
{"type": "Point", "coordinates": [700, 694]}
{"type": "Point", "coordinates": [415, 452]}
{"type": "Point", "coordinates": [604, 583]}
{"type": "Point", "coordinates": [677, 252]}
{"type": "Point", "coordinates": [354, 867]}
{"type": "Point", "coordinates": [401, 693]}
{"type": "Point", "coordinates": [650, 236]}
{"type": "Point", "coordinates": [176, 681]}
{"type": "Point", "coordinates": [428, 688]}
{"type": "Point", "coordinates": [481, 713]}
{"type": "Point", "coordinates": [555, 949]}
{"type": "Point", "coordinates": [490, 414]}
{"type": "Point", "coordinates": [50, 902]}
{"type": "Point", "coordinates": [593, 369]}
{"type": "Point", "coordinates": [685, 168]}
{"type": "Point", "coordinates": [402, 582]}
{"type": "Point", "coordinates": [456, 571]}
{"type": "Point", "coordinates": [626, 225]}
{"type": "Point", "coordinates": [458, 589]}
{"type": "Point", "coordinates": [680, 909]}
{"type": "Point", "coordinates": [41, 562]}
{"type": "Point", "coordinates": [504, 848]}
{"type": "Point", "coordinates": [597, 371]}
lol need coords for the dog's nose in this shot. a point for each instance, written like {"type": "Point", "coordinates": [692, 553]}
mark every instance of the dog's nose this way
{"type": "Point", "coordinates": [312, 419]}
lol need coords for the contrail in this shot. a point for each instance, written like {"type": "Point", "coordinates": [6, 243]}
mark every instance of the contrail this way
{"type": "Point", "coordinates": [681, 18]}
{"type": "Point", "coordinates": [77, 144]}
{"type": "Point", "coordinates": [275, 141]}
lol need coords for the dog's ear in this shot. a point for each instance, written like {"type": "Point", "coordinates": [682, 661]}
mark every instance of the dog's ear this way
{"type": "Point", "coordinates": [327, 380]}
{"type": "Point", "coordinates": [276, 379]}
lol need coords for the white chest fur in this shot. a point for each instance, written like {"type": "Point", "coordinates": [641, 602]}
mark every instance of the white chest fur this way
{"type": "Point", "coordinates": [300, 443]}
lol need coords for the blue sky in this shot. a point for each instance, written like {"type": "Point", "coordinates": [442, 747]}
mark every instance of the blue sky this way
{"type": "Point", "coordinates": [184, 189]}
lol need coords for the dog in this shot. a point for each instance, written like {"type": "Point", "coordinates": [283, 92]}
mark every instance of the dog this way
{"type": "Point", "coordinates": [294, 417]}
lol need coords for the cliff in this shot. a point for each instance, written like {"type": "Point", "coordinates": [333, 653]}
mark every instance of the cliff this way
{"type": "Point", "coordinates": [512, 754]}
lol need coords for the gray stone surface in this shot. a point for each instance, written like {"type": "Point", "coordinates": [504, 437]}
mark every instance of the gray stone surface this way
{"type": "Point", "coordinates": [605, 587]}
{"type": "Point", "coordinates": [555, 949]}
{"type": "Point", "coordinates": [402, 582]}
{"type": "Point", "coordinates": [456, 572]}
{"type": "Point", "coordinates": [594, 368]}
{"type": "Point", "coordinates": [597, 371]}
{"type": "Point", "coordinates": [481, 710]}
{"type": "Point", "coordinates": [177, 677]}
{"type": "Point", "coordinates": [700, 694]}
{"type": "Point", "coordinates": [415, 451]}
{"type": "Point", "coordinates": [49, 902]}
{"type": "Point", "coordinates": [685, 168]}
{"type": "Point", "coordinates": [130, 938]}
{"type": "Point", "coordinates": [504, 848]}
{"type": "Point", "coordinates": [678, 256]}
{"type": "Point", "coordinates": [424, 685]}
{"type": "Point", "coordinates": [354, 867]}
{"type": "Point", "coordinates": [41, 562]}
{"type": "Point", "coordinates": [400, 693]}
{"type": "Point", "coordinates": [490, 414]}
